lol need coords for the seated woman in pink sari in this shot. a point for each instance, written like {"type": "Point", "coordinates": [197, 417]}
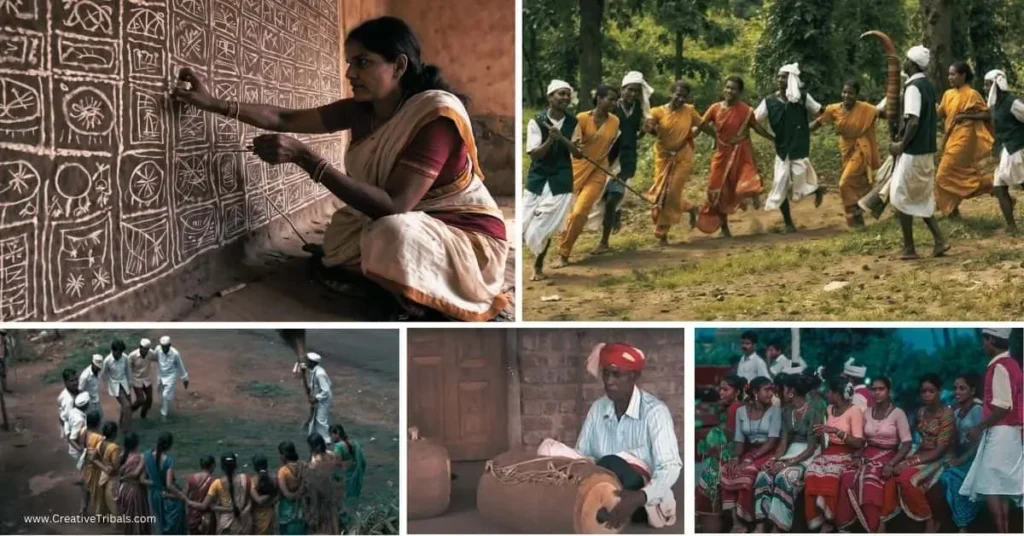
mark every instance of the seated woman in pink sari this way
{"type": "Point", "coordinates": [417, 219]}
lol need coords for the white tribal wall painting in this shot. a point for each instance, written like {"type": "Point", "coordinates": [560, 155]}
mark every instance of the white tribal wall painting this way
{"type": "Point", "coordinates": [105, 185]}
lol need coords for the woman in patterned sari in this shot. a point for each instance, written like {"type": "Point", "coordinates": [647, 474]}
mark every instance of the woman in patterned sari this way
{"type": "Point", "coordinates": [782, 479]}
{"type": "Point", "coordinates": [968, 414]}
{"type": "Point", "coordinates": [290, 516]}
{"type": "Point", "coordinates": [166, 501]}
{"type": "Point", "coordinates": [919, 472]}
{"type": "Point", "coordinates": [132, 504]}
{"type": "Point", "coordinates": [733, 176]}
{"type": "Point", "coordinates": [708, 495]}
{"type": "Point", "coordinates": [197, 487]}
{"type": "Point", "coordinates": [869, 492]}
{"type": "Point", "coordinates": [105, 461]}
{"type": "Point", "coordinates": [673, 125]}
{"type": "Point", "coordinates": [844, 428]}
{"type": "Point", "coordinates": [417, 219]}
{"type": "Point", "coordinates": [758, 427]}
{"type": "Point", "coordinates": [968, 141]}
{"type": "Point", "coordinates": [854, 122]}
{"type": "Point", "coordinates": [595, 135]}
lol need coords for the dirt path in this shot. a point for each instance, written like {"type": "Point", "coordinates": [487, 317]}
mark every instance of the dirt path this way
{"type": "Point", "coordinates": [242, 397]}
{"type": "Point", "coordinates": [763, 274]}
{"type": "Point", "coordinates": [277, 289]}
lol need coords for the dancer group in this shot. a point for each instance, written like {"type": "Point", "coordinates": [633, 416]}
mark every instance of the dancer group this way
{"type": "Point", "coordinates": [860, 463]}
{"type": "Point", "coordinates": [137, 489]}
{"type": "Point", "coordinates": [581, 165]}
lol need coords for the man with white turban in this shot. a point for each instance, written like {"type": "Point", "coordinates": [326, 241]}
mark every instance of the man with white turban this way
{"type": "Point", "coordinates": [140, 362]}
{"type": "Point", "coordinates": [787, 115]}
{"type": "Point", "coordinates": [911, 189]}
{"type": "Point", "coordinates": [1008, 115]}
{"type": "Point", "coordinates": [169, 369]}
{"type": "Point", "coordinates": [320, 397]}
{"type": "Point", "coordinates": [89, 382]}
{"type": "Point", "coordinates": [548, 197]}
{"type": "Point", "coordinates": [633, 108]}
{"type": "Point", "coordinates": [997, 473]}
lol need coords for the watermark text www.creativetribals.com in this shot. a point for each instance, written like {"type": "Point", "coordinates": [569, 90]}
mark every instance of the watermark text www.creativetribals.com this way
{"type": "Point", "coordinates": [78, 519]}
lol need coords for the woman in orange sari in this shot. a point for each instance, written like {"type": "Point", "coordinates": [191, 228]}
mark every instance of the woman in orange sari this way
{"type": "Point", "coordinates": [844, 426]}
{"type": "Point", "coordinates": [919, 472]}
{"type": "Point", "coordinates": [968, 141]}
{"type": "Point", "coordinates": [733, 176]}
{"type": "Point", "coordinates": [673, 125]}
{"type": "Point", "coordinates": [854, 122]}
{"type": "Point", "coordinates": [596, 132]}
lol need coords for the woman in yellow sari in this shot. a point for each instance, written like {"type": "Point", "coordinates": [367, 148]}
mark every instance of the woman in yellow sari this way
{"type": "Point", "coordinates": [854, 122]}
{"type": "Point", "coordinates": [416, 219]}
{"type": "Point", "coordinates": [596, 132]}
{"type": "Point", "coordinates": [106, 461]}
{"type": "Point", "coordinates": [674, 125]}
{"type": "Point", "coordinates": [968, 141]}
{"type": "Point", "coordinates": [91, 438]}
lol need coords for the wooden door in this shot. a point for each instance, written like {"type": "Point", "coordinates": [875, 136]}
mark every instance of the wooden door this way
{"type": "Point", "coordinates": [458, 390]}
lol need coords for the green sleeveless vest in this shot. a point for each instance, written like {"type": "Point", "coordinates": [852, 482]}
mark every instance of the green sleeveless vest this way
{"type": "Point", "coordinates": [555, 169]}
{"type": "Point", "coordinates": [927, 127]}
{"type": "Point", "coordinates": [790, 125]}
{"type": "Point", "coordinates": [1009, 130]}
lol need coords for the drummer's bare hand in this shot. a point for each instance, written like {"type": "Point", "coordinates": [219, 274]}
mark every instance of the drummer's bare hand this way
{"type": "Point", "coordinates": [629, 501]}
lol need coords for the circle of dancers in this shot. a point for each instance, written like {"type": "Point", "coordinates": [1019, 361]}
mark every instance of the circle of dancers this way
{"type": "Point", "coordinates": [137, 489]}
{"type": "Point", "coordinates": [581, 165]}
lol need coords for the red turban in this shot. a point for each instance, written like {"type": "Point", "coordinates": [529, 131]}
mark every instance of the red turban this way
{"type": "Point", "coordinates": [622, 356]}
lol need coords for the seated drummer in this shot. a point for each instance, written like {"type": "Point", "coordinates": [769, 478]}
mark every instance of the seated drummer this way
{"type": "Point", "coordinates": [630, 432]}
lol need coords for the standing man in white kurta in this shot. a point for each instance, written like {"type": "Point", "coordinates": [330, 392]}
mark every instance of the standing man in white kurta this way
{"type": "Point", "coordinates": [89, 382]}
{"type": "Point", "coordinates": [66, 398]}
{"type": "Point", "coordinates": [1008, 118]}
{"type": "Point", "coordinates": [320, 396]}
{"type": "Point", "coordinates": [141, 363]}
{"type": "Point", "coordinates": [116, 372]}
{"type": "Point", "coordinates": [911, 190]}
{"type": "Point", "coordinates": [787, 113]}
{"type": "Point", "coordinates": [169, 369]}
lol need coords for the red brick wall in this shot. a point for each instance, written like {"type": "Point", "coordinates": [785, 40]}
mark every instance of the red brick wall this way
{"type": "Point", "coordinates": [557, 391]}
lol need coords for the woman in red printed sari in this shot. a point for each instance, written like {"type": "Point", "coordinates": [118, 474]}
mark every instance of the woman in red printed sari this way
{"type": "Point", "coordinates": [197, 487]}
{"type": "Point", "coordinates": [416, 218]}
{"type": "Point", "coordinates": [733, 176]}
{"type": "Point", "coordinates": [918, 473]}
{"type": "Point", "coordinates": [844, 427]}
{"type": "Point", "coordinates": [758, 428]}
{"type": "Point", "coordinates": [869, 494]}
{"type": "Point", "coordinates": [132, 501]}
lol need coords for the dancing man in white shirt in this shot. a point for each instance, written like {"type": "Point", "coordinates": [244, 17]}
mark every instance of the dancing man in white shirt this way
{"type": "Point", "coordinates": [116, 372]}
{"type": "Point", "coordinates": [170, 368]}
{"type": "Point", "coordinates": [140, 361]}
{"type": "Point", "coordinates": [89, 382]}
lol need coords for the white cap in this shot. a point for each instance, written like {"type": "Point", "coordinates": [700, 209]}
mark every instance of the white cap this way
{"type": "Point", "coordinates": [97, 360]}
{"type": "Point", "coordinates": [999, 333]}
{"type": "Point", "coordinates": [314, 357]}
{"type": "Point", "coordinates": [920, 55]}
{"type": "Point", "coordinates": [165, 340]}
{"type": "Point", "coordinates": [144, 343]}
{"type": "Point", "coordinates": [556, 85]}
{"type": "Point", "coordinates": [852, 370]}
{"type": "Point", "coordinates": [82, 399]}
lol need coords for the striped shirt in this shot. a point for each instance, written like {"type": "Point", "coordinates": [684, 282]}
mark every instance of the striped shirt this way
{"type": "Point", "coordinates": [645, 431]}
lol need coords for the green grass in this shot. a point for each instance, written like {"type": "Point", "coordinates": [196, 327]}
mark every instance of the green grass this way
{"type": "Point", "coordinates": [88, 342]}
{"type": "Point", "coordinates": [259, 389]}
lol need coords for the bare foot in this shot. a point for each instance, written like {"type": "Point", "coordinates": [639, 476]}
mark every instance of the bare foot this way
{"type": "Point", "coordinates": [561, 261]}
{"type": "Point", "coordinates": [907, 255]}
{"type": "Point", "coordinates": [819, 196]}
{"type": "Point", "coordinates": [601, 248]}
{"type": "Point", "coordinates": [663, 241]}
{"type": "Point", "coordinates": [955, 215]}
{"type": "Point", "coordinates": [940, 249]}
{"type": "Point", "coordinates": [538, 275]}
{"type": "Point", "coordinates": [790, 229]}
{"type": "Point", "coordinates": [726, 233]}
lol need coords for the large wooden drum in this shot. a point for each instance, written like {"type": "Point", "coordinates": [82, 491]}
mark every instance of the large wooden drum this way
{"type": "Point", "coordinates": [430, 477]}
{"type": "Point", "coordinates": [526, 493]}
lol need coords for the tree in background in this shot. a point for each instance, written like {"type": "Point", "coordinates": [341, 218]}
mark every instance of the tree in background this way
{"type": "Point", "coordinates": [689, 20]}
{"type": "Point", "coordinates": [591, 17]}
{"type": "Point", "coordinates": [798, 31]}
{"type": "Point", "coordinates": [550, 46]}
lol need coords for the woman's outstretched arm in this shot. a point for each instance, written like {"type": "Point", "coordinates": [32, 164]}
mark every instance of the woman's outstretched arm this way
{"type": "Point", "coordinates": [265, 116]}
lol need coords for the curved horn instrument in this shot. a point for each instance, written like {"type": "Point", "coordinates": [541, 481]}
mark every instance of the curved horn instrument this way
{"type": "Point", "coordinates": [892, 82]}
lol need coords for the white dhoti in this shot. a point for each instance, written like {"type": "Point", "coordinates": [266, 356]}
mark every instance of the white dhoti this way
{"type": "Point", "coordinates": [1010, 171]}
{"type": "Point", "coordinates": [794, 179]}
{"type": "Point", "coordinates": [543, 216]}
{"type": "Point", "coordinates": [912, 188]}
{"type": "Point", "coordinates": [321, 421]}
{"type": "Point", "coordinates": [166, 396]}
{"type": "Point", "coordinates": [998, 467]}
